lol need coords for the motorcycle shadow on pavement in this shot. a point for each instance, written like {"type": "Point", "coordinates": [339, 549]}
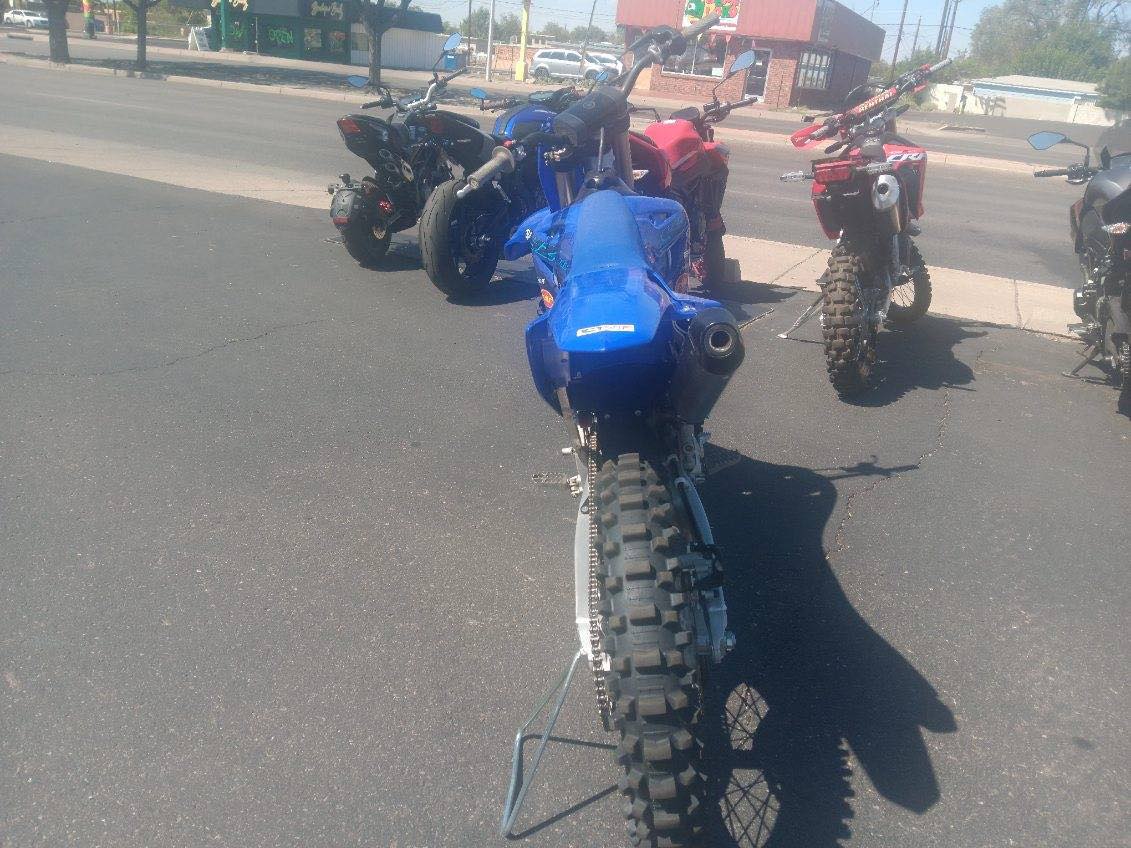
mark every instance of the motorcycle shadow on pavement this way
{"type": "Point", "coordinates": [809, 678]}
{"type": "Point", "coordinates": [921, 356]}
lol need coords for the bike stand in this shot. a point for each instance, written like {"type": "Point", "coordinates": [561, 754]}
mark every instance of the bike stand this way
{"type": "Point", "coordinates": [1089, 357]}
{"type": "Point", "coordinates": [805, 316]}
{"type": "Point", "coordinates": [516, 793]}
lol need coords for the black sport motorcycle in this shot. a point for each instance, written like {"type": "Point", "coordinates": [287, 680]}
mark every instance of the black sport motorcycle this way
{"type": "Point", "coordinates": [1100, 226]}
{"type": "Point", "coordinates": [407, 153]}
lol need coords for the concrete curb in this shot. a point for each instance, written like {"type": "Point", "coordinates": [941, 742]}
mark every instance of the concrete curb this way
{"type": "Point", "coordinates": [758, 137]}
{"type": "Point", "coordinates": [969, 296]}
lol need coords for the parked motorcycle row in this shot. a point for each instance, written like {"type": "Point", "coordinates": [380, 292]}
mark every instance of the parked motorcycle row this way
{"type": "Point", "coordinates": [616, 223]}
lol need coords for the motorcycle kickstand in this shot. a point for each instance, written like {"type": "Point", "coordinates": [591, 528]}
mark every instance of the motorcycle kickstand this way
{"type": "Point", "coordinates": [1089, 358]}
{"type": "Point", "coordinates": [516, 793]}
{"type": "Point", "coordinates": [805, 316]}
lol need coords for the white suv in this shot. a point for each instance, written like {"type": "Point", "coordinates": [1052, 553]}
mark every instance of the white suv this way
{"type": "Point", "coordinates": [22, 17]}
{"type": "Point", "coordinates": [563, 63]}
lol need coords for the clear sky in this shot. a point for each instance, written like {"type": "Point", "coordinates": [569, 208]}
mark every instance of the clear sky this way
{"type": "Point", "coordinates": [572, 13]}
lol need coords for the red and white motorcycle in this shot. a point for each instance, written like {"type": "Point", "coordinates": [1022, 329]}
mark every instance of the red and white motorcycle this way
{"type": "Point", "coordinates": [869, 198]}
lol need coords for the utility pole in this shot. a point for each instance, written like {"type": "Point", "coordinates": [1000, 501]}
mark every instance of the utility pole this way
{"type": "Point", "coordinates": [915, 43]}
{"type": "Point", "coordinates": [490, 38]}
{"type": "Point", "coordinates": [950, 29]}
{"type": "Point", "coordinates": [520, 68]}
{"type": "Point", "coordinates": [942, 29]}
{"type": "Point", "coordinates": [585, 44]}
{"type": "Point", "coordinates": [898, 39]}
{"type": "Point", "coordinates": [468, 63]}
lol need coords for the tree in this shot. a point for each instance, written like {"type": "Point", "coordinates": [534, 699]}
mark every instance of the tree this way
{"type": "Point", "coordinates": [1071, 39]}
{"type": "Point", "coordinates": [57, 30]}
{"type": "Point", "coordinates": [379, 16]}
{"type": "Point", "coordinates": [476, 27]}
{"type": "Point", "coordinates": [588, 34]}
{"type": "Point", "coordinates": [1116, 86]}
{"type": "Point", "coordinates": [555, 31]}
{"type": "Point", "coordinates": [508, 28]}
{"type": "Point", "coordinates": [141, 10]}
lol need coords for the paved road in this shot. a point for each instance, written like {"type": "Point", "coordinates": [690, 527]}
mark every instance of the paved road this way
{"type": "Point", "coordinates": [275, 571]}
{"type": "Point", "coordinates": [1002, 138]}
{"type": "Point", "coordinates": [996, 223]}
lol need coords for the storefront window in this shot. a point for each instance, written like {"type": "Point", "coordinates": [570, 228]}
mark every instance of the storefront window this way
{"type": "Point", "coordinates": [814, 69]}
{"type": "Point", "coordinates": [704, 57]}
{"type": "Point", "coordinates": [337, 41]}
{"type": "Point", "coordinates": [312, 39]}
{"type": "Point", "coordinates": [359, 40]}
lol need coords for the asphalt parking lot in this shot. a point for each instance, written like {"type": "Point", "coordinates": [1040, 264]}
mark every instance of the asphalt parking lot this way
{"type": "Point", "coordinates": [285, 561]}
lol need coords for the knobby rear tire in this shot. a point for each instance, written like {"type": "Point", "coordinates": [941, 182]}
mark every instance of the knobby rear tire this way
{"type": "Point", "coordinates": [850, 338]}
{"type": "Point", "coordinates": [648, 632]}
{"type": "Point", "coordinates": [440, 255]}
{"type": "Point", "coordinates": [921, 299]}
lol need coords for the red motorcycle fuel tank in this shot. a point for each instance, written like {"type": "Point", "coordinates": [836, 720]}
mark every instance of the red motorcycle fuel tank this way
{"type": "Point", "coordinates": [680, 142]}
{"type": "Point", "coordinates": [647, 157]}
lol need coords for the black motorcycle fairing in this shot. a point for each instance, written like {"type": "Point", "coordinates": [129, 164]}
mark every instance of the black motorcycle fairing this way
{"type": "Point", "coordinates": [462, 140]}
{"type": "Point", "coordinates": [1108, 185]}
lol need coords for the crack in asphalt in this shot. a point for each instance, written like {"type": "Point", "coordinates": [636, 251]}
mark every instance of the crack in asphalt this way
{"type": "Point", "coordinates": [165, 363]}
{"type": "Point", "coordinates": [940, 436]}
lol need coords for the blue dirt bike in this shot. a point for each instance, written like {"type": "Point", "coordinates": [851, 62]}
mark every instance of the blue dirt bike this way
{"type": "Point", "coordinates": [634, 365]}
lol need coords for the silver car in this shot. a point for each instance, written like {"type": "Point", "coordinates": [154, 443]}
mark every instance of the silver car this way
{"type": "Point", "coordinates": [563, 63]}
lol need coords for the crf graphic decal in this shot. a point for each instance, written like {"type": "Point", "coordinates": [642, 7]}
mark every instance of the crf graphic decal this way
{"type": "Point", "coordinates": [907, 157]}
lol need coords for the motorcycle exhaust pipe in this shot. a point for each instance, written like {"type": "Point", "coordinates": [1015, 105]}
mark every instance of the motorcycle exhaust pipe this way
{"type": "Point", "coordinates": [710, 355]}
{"type": "Point", "coordinates": [885, 200]}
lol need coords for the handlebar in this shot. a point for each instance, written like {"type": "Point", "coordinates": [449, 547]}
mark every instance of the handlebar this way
{"type": "Point", "coordinates": [453, 75]}
{"type": "Point", "coordinates": [1052, 172]}
{"type": "Point", "coordinates": [375, 103]}
{"type": "Point", "coordinates": [501, 162]}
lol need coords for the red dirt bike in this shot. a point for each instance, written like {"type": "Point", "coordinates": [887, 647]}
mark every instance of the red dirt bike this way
{"type": "Point", "coordinates": [869, 198]}
{"type": "Point", "coordinates": [699, 170]}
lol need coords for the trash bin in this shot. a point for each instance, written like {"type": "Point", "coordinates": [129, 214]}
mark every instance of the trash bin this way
{"type": "Point", "coordinates": [453, 61]}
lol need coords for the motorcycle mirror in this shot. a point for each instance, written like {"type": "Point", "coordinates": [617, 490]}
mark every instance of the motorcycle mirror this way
{"type": "Point", "coordinates": [357, 81]}
{"type": "Point", "coordinates": [742, 62]}
{"type": "Point", "coordinates": [478, 94]}
{"type": "Point", "coordinates": [453, 42]}
{"type": "Point", "coordinates": [1045, 140]}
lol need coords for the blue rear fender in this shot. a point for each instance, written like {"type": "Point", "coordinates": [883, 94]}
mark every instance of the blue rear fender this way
{"type": "Point", "coordinates": [609, 332]}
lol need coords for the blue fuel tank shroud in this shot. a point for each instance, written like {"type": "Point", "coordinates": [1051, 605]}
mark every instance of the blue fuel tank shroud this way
{"type": "Point", "coordinates": [613, 258]}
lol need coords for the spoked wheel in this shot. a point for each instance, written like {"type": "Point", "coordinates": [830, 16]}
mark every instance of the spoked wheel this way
{"type": "Point", "coordinates": [541, 75]}
{"type": "Point", "coordinates": [912, 298]}
{"type": "Point", "coordinates": [850, 335]}
{"type": "Point", "coordinates": [366, 243]}
{"type": "Point", "coordinates": [457, 246]}
{"type": "Point", "coordinates": [648, 631]}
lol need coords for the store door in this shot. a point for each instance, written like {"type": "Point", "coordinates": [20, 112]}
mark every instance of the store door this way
{"type": "Point", "coordinates": [756, 76]}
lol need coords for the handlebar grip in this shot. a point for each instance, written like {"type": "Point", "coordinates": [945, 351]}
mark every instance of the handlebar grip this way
{"type": "Point", "coordinates": [1052, 172]}
{"type": "Point", "coordinates": [934, 69]}
{"type": "Point", "coordinates": [501, 162]}
{"type": "Point", "coordinates": [453, 75]}
{"type": "Point", "coordinates": [372, 103]}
